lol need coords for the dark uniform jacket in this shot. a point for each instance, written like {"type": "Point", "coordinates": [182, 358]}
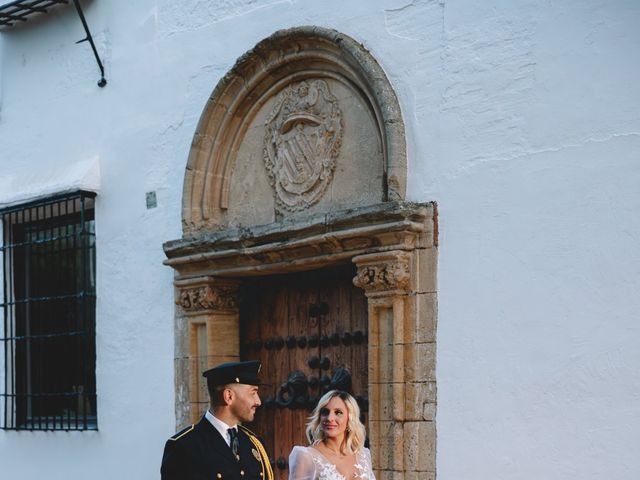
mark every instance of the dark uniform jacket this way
{"type": "Point", "coordinates": [199, 452]}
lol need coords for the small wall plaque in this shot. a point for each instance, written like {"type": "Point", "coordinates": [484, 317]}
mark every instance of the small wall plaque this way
{"type": "Point", "coordinates": [152, 201]}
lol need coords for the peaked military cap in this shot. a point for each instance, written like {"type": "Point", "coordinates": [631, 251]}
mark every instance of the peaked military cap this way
{"type": "Point", "coordinates": [234, 372]}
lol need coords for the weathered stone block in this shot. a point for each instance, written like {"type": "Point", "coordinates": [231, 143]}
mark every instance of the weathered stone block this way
{"type": "Point", "coordinates": [379, 408]}
{"type": "Point", "coordinates": [197, 410]}
{"type": "Point", "coordinates": [182, 407]}
{"type": "Point", "coordinates": [419, 475]}
{"type": "Point", "coordinates": [398, 401]}
{"type": "Point", "coordinates": [420, 401]}
{"type": "Point", "coordinates": [420, 362]}
{"type": "Point", "coordinates": [387, 441]}
{"type": "Point", "coordinates": [381, 364]}
{"type": "Point", "coordinates": [387, 402]}
{"type": "Point", "coordinates": [390, 475]}
{"type": "Point", "coordinates": [419, 449]}
{"type": "Point", "coordinates": [213, 360]}
{"type": "Point", "coordinates": [381, 329]}
{"type": "Point", "coordinates": [429, 411]}
{"type": "Point", "coordinates": [425, 264]}
{"type": "Point", "coordinates": [420, 320]}
{"type": "Point", "coordinates": [223, 335]}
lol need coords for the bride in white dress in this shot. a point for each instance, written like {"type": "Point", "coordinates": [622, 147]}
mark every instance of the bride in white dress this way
{"type": "Point", "coordinates": [336, 436]}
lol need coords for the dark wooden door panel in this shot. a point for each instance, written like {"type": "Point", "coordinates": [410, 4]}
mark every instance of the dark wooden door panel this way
{"type": "Point", "coordinates": [307, 329]}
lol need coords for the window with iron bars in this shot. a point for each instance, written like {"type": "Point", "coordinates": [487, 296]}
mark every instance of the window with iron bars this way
{"type": "Point", "coordinates": [48, 269]}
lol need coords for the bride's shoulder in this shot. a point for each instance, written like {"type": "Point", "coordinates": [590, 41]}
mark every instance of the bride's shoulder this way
{"type": "Point", "coordinates": [364, 451]}
{"type": "Point", "coordinates": [301, 450]}
{"type": "Point", "coordinates": [302, 458]}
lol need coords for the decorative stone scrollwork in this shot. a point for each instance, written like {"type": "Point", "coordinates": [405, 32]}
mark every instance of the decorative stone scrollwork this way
{"type": "Point", "coordinates": [302, 140]}
{"type": "Point", "coordinates": [387, 273]}
{"type": "Point", "coordinates": [208, 297]}
{"type": "Point", "coordinates": [382, 277]}
{"type": "Point", "coordinates": [232, 131]}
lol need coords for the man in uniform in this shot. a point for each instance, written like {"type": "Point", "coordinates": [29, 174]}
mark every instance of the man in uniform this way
{"type": "Point", "coordinates": [218, 447]}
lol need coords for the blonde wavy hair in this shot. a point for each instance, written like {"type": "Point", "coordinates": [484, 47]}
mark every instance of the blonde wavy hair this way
{"type": "Point", "coordinates": [355, 433]}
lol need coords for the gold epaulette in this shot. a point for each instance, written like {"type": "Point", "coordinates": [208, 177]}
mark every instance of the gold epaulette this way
{"type": "Point", "coordinates": [247, 431]}
{"type": "Point", "coordinates": [182, 433]}
{"type": "Point", "coordinates": [267, 471]}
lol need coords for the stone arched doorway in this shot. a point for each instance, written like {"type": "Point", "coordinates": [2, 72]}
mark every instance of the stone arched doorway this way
{"type": "Point", "coordinates": [299, 164]}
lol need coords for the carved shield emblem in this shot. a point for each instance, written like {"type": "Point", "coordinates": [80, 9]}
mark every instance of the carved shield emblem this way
{"type": "Point", "coordinates": [302, 141]}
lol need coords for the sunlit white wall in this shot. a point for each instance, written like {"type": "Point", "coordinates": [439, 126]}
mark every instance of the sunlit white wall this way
{"type": "Point", "coordinates": [523, 123]}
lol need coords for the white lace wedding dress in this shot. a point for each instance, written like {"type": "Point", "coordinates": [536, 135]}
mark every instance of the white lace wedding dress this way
{"type": "Point", "coordinates": [306, 463]}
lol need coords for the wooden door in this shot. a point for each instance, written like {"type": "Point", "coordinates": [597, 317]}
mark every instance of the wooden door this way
{"type": "Point", "coordinates": [309, 330]}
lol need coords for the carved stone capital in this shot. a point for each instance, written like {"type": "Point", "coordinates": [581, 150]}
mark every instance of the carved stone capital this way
{"type": "Point", "coordinates": [383, 273]}
{"type": "Point", "coordinates": [196, 296]}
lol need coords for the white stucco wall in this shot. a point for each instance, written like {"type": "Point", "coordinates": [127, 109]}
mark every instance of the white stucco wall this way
{"type": "Point", "coordinates": [523, 123]}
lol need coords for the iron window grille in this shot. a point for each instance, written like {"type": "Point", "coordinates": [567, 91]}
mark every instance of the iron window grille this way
{"type": "Point", "coordinates": [48, 269]}
{"type": "Point", "coordinates": [19, 10]}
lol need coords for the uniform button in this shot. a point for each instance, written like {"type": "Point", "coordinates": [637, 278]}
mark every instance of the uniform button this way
{"type": "Point", "coordinates": [219, 475]}
{"type": "Point", "coordinates": [242, 472]}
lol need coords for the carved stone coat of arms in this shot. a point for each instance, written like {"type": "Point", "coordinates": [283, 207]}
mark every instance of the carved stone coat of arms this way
{"type": "Point", "coordinates": [302, 140]}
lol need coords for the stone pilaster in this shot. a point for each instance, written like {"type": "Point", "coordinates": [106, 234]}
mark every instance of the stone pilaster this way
{"type": "Point", "coordinates": [208, 334]}
{"type": "Point", "coordinates": [400, 289]}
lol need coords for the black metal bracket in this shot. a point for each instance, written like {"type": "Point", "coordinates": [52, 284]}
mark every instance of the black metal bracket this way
{"type": "Point", "coordinates": [18, 11]}
{"type": "Point", "coordinates": [102, 82]}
